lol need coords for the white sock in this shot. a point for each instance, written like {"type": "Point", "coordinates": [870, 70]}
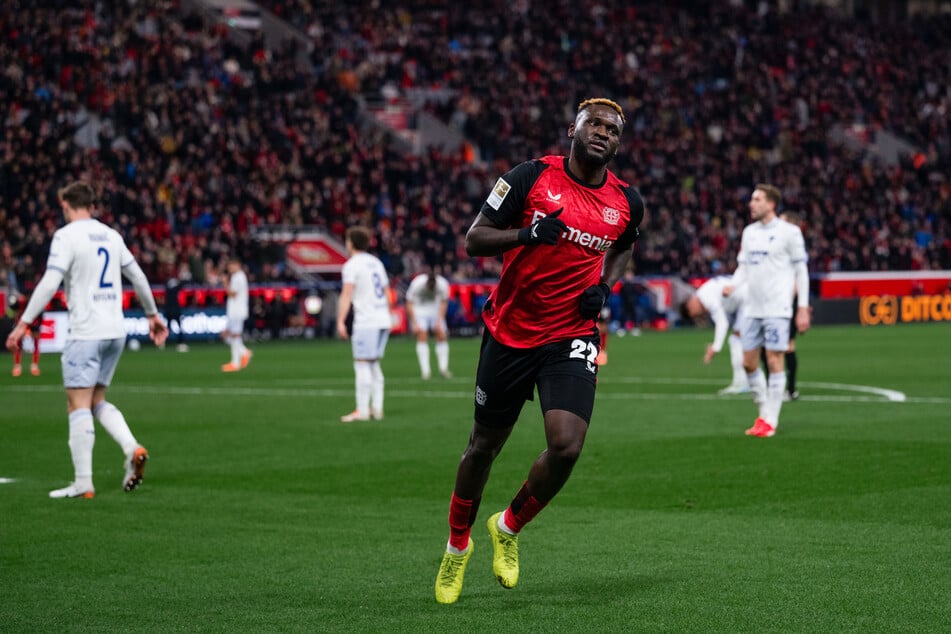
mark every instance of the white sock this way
{"type": "Point", "coordinates": [376, 395]}
{"type": "Point", "coordinates": [236, 346]}
{"type": "Point", "coordinates": [113, 422]}
{"type": "Point", "coordinates": [503, 526]}
{"type": "Point", "coordinates": [82, 438]}
{"type": "Point", "coordinates": [422, 355]}
{"type": "Point", "coordinates": [244, 348]}
{"type": "Point", "coordinates": [758, 388]}
{"type": "Point", "coordinates": [774, 397]}
{"type": "Point", "coordinates": [452, 550]}
{"type": "Point", "coordinates": [364, 384]}
{"type": "Point", "coordinates": [736, 360]}
{"type": "Point", "coordinates": [442, 355]}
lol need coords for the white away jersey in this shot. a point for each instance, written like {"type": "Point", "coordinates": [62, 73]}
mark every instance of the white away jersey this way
{"type": "Point", "coordinates": [770, 254]}
{"type": "Point", "coordinates": [426, 301]}
{"type": "Point", "coordinates": [237, 307]}
{"type": "Point", "coordinates": [722, 310]}
{"type": "Point", "coordinates": [90, 256]}
{"type": "Point", "coordinates": [371, 286]}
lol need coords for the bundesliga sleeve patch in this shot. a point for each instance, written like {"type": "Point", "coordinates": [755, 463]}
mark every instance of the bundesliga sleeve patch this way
{"type": "Point", "coordinates": [499, 192]}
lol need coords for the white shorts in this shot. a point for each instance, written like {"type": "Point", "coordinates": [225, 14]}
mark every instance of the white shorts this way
{"type": "Point", "coordinates": [235, 326]}
{"type": "Point", "coordinates": [88, 363]}
{"type": "Point", "coordinates": [769, 332]}
{"type": "Point", "coordinates": [369, 344]}
{"type": "Point", "coordinates": [428, 322]}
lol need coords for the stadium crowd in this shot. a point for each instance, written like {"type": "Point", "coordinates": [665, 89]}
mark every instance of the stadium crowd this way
{"type": "Point", "coordinates": [193, 139]}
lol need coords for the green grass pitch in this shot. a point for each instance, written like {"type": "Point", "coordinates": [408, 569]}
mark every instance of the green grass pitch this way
{"type": "Point", "coordinates": [261, 512]}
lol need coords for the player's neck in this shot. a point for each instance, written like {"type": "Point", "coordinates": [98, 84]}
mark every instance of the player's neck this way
{"type": "Point", "coordinates": [585, 173]}
{"type": "Point", "coordinates": [768, 218]}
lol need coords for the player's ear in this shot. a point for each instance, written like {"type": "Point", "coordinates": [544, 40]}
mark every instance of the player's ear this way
{"type": "Point", "coordinates": [571, 130]}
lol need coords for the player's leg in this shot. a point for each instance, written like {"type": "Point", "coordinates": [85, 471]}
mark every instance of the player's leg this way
{"type": "Point", "coordinates": [377, 379]}
{"type": "Point", "coordinates": [35, 365]}
{"type": "Point", "coordinates": [17, 355]}
{"type": "Point", "coordinates": [792, 366]}
{"type": "Point", "coordinates": [114, 422]}
{"type": "Point", "coordinates": [751, 340]}
{"type": "Point", "coordinates": [441, 334]}
{"type": "Point", "coordinates": [234, 362]}
{"type": "Point", "coordinates": [364, 346]}
{"type": "Point", "coordinates": [243, 352]}
{"type": "Point", "coordinates": [422, 347]}
{"type": "Point", "coordinates": [504, 381]}
{"type": "Point", "coordinates": [566, 388]}
{"type": "Point", "coordinates": [80, 362]}
{"type": "Point", "coordinates": [776, 336]}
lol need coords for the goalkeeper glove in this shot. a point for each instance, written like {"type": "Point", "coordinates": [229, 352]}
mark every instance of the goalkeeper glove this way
{"type": "Point", "coordinates": [592, 300]}
{"type": "Point", "coordinates": [544, 231]}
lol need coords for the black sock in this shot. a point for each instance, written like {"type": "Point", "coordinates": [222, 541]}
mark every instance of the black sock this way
{"type": "Point", "coordinates": [791, 364]}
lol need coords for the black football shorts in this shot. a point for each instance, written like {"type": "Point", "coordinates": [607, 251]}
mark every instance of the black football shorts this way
{"type": "Point", "coordinates": [565, 373]}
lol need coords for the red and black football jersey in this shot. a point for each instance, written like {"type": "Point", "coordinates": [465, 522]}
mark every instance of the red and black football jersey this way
{"type": "Point", "coordinates": [537, 297]}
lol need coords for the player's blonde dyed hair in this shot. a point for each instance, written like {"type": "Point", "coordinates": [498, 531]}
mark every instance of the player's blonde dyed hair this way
{"type": "Point", "coordinates": [601, 101]}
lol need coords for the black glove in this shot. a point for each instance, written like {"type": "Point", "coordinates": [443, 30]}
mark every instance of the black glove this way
{"type": "Point", "coordinates": [545, 231]}
{"type": "Point", "coordinates": [592, 300]}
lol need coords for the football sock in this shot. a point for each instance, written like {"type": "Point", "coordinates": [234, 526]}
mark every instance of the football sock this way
{"type": "Point", "coordinates": [82, 438]}
{"type": "Point", "coordinates": [114, 422]}
{"type": "Point", "coordinates": [422, 354]}
{"type": "Point", "coordinates": [442, 355]}
{"type": "Point", "coordinates": [364, 385]}
{"type": "Point", "coordinates": [36, 350]}
{"type": "Point", "coordinates": [522, 510]}
{"type": "Point", "coordinates": [774, 398]}
{"type": "Point", "coordinates": [758, 388]}
{"type": "Point", "coordinates": [462, 515]}
{"type": "Point", "coordinates": [17, 354]}
{"type": "Point", "coordinates": [736, 360]}
{"type": "Point", "coordinates": [376, 387]}
{"type": "Point", "coordinates": [235, 350]}
{"type": "Point", "coordinates": [792, 364]}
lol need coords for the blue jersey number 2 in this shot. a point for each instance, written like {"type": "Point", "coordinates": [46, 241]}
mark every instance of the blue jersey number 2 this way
{"type": "Point", "coordinates": [105, 267]}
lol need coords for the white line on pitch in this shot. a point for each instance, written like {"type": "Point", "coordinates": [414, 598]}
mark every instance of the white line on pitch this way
{"type": "Point", "coordinates": [257, 392]}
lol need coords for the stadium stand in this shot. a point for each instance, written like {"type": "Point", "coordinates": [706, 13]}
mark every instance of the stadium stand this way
{"type": "Point", "coordinates": [194, 139]}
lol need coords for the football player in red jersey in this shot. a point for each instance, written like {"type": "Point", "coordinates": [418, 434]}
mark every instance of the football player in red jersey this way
{"type": "Point", "coordinates": [17, 304]}
{"type": "Point", "coordinates": [565, 228]}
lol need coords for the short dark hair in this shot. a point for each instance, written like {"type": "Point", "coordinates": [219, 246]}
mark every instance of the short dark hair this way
{"type": "Point", "coordinates": [78, 195]}
{"type": "Point", "coordinates": [772, 192]}
{"type": "Point", "coordinates": [359, 237]}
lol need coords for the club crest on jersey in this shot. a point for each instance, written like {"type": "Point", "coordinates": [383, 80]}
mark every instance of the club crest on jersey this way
{"type": "Point", "coordinates": [554, 197]}
{"type": "Point", "coordinates": [611, 215]}
{"type": "Point", "coordinates": [499, 192]}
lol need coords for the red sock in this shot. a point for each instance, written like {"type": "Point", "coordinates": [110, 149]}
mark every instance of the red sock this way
{"type": "Point", "coordinates": [36, 350]}
{"type": "Point", "coordinates": [522, 510]}
{"type": "Point", "coordinates": [16, 355]}
{"type": "Point", "coordinates": [462, 514]}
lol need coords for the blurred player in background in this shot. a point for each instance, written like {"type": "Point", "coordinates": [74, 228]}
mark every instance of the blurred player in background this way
{"type": "Point", "coordinates": [366, 287]}
{"type": "Point", "coordinates": [427, 300]}
{"type": "Point", "coordinates": [565, 227]}
{"type": "Point", "coordinates": [17, 304]}
{"type": "Point", "coordinates": [792, 359]}
{"type": "Point", "coordinates": [173, 312]}
{"type": "Point", "coordinates": [90, 259]}
{"type": "Point", "coordinates": [236, 310]}
{"type": "Point", "coordinates": [725, 313]}
{"type": "Point", "coordinates": [772, 262]}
